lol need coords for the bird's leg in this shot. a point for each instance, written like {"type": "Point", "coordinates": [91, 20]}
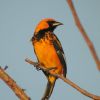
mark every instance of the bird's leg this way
{"type": "Point", "coordinates": [35, 64]}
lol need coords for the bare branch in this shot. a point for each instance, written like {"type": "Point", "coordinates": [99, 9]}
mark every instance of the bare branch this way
{"type": "Point", "coordinates": [13, 85]}
{"type": "Point", "coordinates": [38, 65]}
{"type": "Point", "coordinates": [84, 34]}
{"type": "Point", "coordinates": [84, 92]}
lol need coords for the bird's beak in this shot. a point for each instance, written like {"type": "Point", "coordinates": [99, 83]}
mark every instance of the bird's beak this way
{"type": "Point", "coordinates": [57, 23]}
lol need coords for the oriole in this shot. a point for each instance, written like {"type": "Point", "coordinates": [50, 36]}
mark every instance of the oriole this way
{"type": "Point", "coordinates": [49, 52]}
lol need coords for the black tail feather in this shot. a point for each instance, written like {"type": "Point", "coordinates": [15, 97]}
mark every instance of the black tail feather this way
{"type": "Point", "coordinates": [48, 90]}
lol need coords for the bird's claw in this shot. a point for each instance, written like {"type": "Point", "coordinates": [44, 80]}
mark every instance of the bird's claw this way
{"type": "Point", "coordinates": [37, 68]}
{"type": "Point", "coordinates": [36, 64]}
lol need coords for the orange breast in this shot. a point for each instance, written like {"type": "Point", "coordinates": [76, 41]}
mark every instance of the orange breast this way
{"type": "Point", "coordinates": [47, 55]}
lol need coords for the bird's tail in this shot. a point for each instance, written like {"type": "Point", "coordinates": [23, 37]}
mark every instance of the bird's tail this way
{"type": "Point", "coordinates": [49, 88]}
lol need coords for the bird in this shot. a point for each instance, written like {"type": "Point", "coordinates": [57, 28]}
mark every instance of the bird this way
{"type": "Point", "coordinates": [49, 52]}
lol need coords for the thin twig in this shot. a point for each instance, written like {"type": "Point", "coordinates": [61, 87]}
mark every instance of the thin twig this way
{"type": "Point", "coordinates": [84, 92]}
{"type": "Point", "coordinates": [84, 34]}
{"type": "Point", "coordinates": [13, 85]}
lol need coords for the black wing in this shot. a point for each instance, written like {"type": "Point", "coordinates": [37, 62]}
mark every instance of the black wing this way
{"type": "Point", "coordinates": [60, 53]}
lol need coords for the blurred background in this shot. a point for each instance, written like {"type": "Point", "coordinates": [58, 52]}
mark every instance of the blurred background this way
{"type": "Point", "coordinates": [18, 19]}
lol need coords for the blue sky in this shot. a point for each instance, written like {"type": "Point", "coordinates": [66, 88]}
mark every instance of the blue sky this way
{"type": "Point", "coordinates": [18, 19]}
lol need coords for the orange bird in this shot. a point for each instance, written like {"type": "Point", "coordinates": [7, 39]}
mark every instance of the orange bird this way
{"type": "Point", "coordinates": [49, 52]}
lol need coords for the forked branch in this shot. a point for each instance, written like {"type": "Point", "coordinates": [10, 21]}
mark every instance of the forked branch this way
{"type": "Point", "coordinates": [66, 80]}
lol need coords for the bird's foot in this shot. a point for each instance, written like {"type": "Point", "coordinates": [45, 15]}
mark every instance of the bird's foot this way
{"type": "Point", "coordinates": [36, 64]}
